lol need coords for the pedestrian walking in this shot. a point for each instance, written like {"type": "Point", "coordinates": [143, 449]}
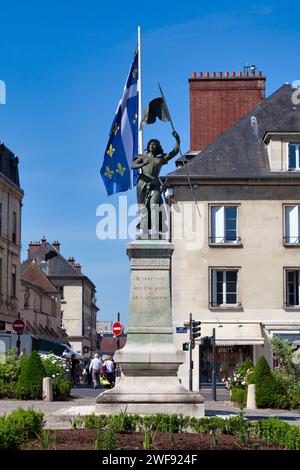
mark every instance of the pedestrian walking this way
{"type": "Point", "coordinates": [109, 373]}
{"type": "Point", "coordinates": [74, 369]}
{"type": "Point", "coordinates": [86, 371]}
{"type": "Point", "coordinates": [95, 369]}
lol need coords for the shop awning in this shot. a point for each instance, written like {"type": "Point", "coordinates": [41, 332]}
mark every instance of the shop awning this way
{"type": "Point", "coordinates": [230, 334]}
{"type": "Point", "coordinates": [43, 345]}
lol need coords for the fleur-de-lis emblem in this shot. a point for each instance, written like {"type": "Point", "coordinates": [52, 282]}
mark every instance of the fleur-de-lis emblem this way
{"type": "Point", "coordinates": [111, 150]}
{"type": "Point", "coordinates": [134, 73]}
{"type": "Point", "coordinates": [116, 128]}
{"type": "Point", "coordinates": [109, 173]}
{"type": "Point", "coordinates": [135, 118]}
{"type": "Point", "coordinates": [121, 169]}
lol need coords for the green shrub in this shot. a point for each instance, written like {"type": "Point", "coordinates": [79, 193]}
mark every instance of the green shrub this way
{"type": "Point", "coordinates": [61, 390]}
{"type": "Point", "coordinates": [245, 366]}
{"type": "Point", "coordinates": [11, 368]}
{"type": "Point", "coordinates": [7, 390]}
{"type": "Point", "coordinates": [235, 425]}
{"type": "Point", "coordinates": [207, 425]}
{"type": "Point", "coordinates": [239, 396]}
{"type": "Point", "coordinates": [166, 423]}
{"type": "Point", "coordinates": [92, 421]}
{"type": "Point", "coordinates": [265, 389]}
{"type": "Point", "coordinates": [55, 367]}
{"type": "Point", "coordinates": [30, 381]}
{"type": "Point", "coordinates": [238, 383]}
{"type": "Point", "coordinates": [278, 432]}
{"type": "Point", "coordinates": [19, 426]}
{"type": "Point", "coordinates": [124, 422]}
{"type": "Point", "coordinates": [283, 353]}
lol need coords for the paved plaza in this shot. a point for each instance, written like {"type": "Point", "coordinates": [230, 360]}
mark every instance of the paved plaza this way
{"type": "Point", "coordinates": [59, 414]}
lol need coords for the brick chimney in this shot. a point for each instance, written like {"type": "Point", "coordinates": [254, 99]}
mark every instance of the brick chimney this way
{"type": "Point", "coordinates": [71, 260]}
{"type": "Point", "coordinates": [78, 267]}
{"type": "Point", "coordinates": [56, 245]}
{"type": "Point", "coordinates": [43, 245]}
{"type": "Point", "coordinates": [218, 101]}
{"type": "Point", "coordinates": [33, 248]}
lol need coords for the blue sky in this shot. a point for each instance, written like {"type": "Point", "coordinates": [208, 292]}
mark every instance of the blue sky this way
{"type": "Point", "coordinates": [65, 64]}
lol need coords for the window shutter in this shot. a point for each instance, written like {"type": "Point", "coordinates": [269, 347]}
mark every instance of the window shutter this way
{"type": "Point", "coordinates": [292, 157]}
{"type": "Point", "coordinates": [217, 224]}
{"type": "Point", "coordinates": [214, 287]}
{"type": "Point", "coordinates": [292, 224]}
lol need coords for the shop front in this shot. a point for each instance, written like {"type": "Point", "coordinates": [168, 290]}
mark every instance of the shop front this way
{"type": "Point", "coordinates": [234, 344]}
{"type": "Point", "coordinates": [228, 358]}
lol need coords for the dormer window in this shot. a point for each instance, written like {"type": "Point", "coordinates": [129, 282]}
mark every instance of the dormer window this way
{"type": "Point", "coordinates": [294, 157]}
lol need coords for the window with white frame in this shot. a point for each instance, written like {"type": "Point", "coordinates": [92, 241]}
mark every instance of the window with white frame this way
{"type": "Point", "coordinates": [223, 224]}
{"type": "Point", "coordinates": [294, 157]}
{"type": "Point", "coordinates": [224, 287]}
{"type": "Point", "coordinates": [292, 224]}
{"type": "Point", "coordinates": [292, 288]}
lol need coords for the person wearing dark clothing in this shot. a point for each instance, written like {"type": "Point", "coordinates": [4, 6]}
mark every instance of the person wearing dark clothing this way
{"type": "Point", "coordinates": [74, 362]}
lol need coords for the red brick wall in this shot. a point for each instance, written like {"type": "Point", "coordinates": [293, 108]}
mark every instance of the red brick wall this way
{"type": "Point", "coordinates": [217, 102]}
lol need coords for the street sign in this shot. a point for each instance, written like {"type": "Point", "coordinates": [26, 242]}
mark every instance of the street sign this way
{"type": "Point", "coordinates": [181, 329]}
{"type": "Point", "coordinates": [117, 328]}
{"type": "Point", "coordinates": [18, 325]}
{"type": "Point", "coordinates": [192, 343]}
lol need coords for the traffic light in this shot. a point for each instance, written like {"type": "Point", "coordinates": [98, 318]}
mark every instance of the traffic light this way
{"type": "Point", "coordinates": [195, 329]}
{"type": "Point", "coordinates": [185, 346]}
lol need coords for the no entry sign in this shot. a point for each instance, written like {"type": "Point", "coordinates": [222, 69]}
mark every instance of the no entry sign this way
{"type": "Point", "coordinates": [18, 325]}
{"type": "Point", "coordinates": [117, 328]}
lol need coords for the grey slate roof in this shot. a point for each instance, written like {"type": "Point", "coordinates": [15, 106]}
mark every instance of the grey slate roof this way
{"type": "Point", "coordinates": [240, 151]}
{"type": "Point", "coordinates": [9, 165]}
{"type": "Point", "coordinates": [55, 264]}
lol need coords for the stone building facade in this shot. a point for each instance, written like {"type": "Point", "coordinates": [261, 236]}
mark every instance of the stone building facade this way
{"type": "Point", "coordinates": [40, 308]}
{"type": "Point", "coordinates": [78, 294]}
{"type": "Point", "coordinates": [11, 196]}
{"type": "Point", "coordinates": [236, 263]}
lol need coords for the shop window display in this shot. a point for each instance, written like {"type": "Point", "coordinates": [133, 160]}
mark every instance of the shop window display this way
{"type": "Point", "coordinates": [228, 359]}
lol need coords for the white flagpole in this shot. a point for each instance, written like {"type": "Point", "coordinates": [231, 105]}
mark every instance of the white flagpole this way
{"type": "Point", "coordinates": [140, 111]}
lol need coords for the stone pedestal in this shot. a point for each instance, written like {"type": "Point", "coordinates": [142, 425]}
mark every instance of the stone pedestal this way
{"type": "Point", "coordinates": [150, 361]}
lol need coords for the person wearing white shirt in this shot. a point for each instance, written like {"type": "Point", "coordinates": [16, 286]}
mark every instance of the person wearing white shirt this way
{"type": "Point", "coordinates": [95, 369]}
{"type": "Point", "coordinates": [110, 370]}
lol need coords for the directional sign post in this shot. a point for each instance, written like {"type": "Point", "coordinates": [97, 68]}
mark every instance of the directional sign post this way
{"type": "Point", "coordinates": [181, 329]}
{"type": "Point", "coordinates": [18, 326]}
{"type": "Point", "coordinates": [117, 330]}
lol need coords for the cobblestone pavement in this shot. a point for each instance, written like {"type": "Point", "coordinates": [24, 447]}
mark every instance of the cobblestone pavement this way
{"type": "Point", "coordinates": [58, 415]}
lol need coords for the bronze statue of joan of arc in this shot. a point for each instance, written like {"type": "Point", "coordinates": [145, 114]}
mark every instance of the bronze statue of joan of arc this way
{"type": "Point", "coordinates": [149, 187]}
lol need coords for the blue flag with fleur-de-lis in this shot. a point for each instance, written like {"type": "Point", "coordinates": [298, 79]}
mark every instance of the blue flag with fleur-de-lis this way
{"type": "Point", "coordinates": [122, 145]}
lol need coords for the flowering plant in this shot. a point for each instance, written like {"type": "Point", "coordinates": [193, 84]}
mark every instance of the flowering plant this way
{"type": "Point", "coordinates": [241, 377]}
{"type": "Point", "coordinates": [56, 368]}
